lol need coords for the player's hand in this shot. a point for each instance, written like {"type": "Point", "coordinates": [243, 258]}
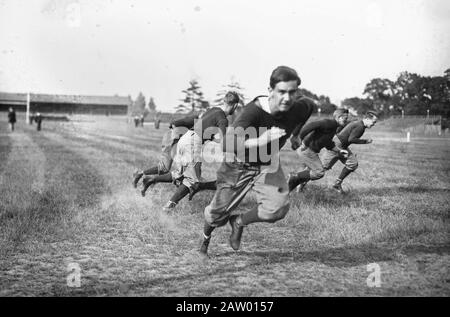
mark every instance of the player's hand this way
{"type": "Point", "coordinates": [273, 134]}
{"type": "Point", "coordinates": [295, 143]}
{"type": "Point", "coordinates": [303, 146]}
{"type": "Point", "coordinates": [369, 141]}
{"type": "Point", "coordinates": [343, 153]}
{"type": "Point", "coordinates": [276, 133]}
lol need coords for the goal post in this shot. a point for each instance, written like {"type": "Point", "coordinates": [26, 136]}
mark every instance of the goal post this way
{"type": "Point", "coordinates": [28, 108]}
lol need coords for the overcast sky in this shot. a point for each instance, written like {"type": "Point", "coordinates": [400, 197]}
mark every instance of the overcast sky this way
{"type": "Point", "coordinates": [105, 47]}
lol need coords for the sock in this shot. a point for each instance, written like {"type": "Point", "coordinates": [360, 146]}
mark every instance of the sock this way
{"type": "Point", "coordinates": [164, 178]}
{"type": "Point", "coordinates": [151, 171]}
{"type": "Point", "coordinates": [251, 216]}
{"type": "Point", "coordinates": [345, 172]}
{"type": "Point", "coordinates": [181, 192]}
{"type": "Point", "coordinates": [207, 186]}
{"type": "Point", "coordinates": [207, 230]}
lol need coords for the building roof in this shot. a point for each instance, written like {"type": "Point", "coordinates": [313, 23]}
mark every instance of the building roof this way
{"type": "Point", "coordinates": [18, 98]}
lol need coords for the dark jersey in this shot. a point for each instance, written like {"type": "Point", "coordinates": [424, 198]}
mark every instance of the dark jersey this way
{"type": "Point", "coordinates": [352, 133]}
{"type": "Point", "coordinates": [187, 122]}
{"type": "Point", "coordinates": [38, 118]}
{"type": "Point", "coordinates": [319, 134]}
{"type": "Point", "coordinates": [212, 122]}
{"type": "Point", "coordinates": [180, 127]}
{"type": "Point", "coordinates": [12, 117]}
{"type": "Point", "coordinates": [253, 121]}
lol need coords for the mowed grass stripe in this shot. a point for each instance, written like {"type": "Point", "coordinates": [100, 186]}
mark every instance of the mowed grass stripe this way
{"type": "Point", "coordinates": [21, 189]}
{"type": "Point", "coordinates": [66, 190]}
{"type": "Point", "coordinates": [122, 220]}
{"type": "Point", "coordinates": [121, 131]}
{"type": "Point", "coordinates": [138, 156]}
{"type": "Point", "coordinates": [5, 146]}
{"type": "Point", "coordinates": [129, 154]}
{"type": "Point", "coordinates": [124, 142]}
{"type": "Point", "coordinates": [72, 185]}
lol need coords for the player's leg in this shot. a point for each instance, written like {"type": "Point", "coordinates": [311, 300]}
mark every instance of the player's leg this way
{"type": "Point", "coordinates": [272, 196]}
{"type": "Point", "coordinates": [233, 183]}
{"type": "Point", "coordinates": [194, 189]}
{"type": "Point", "coordinates": [296, 178]}
{"type": "Point", "coordinates": [328, 159]}
{"type": "Point", "coordinates": [351, 164]}
{"type": "Point", "coordinates": [190, 147]}
{"type": "Point", "coordinates": [150, 180]}
{"type": "Point", "coordinates": [181, 192]}
{"type": "Point", "coordinates": [138, 174]}
{"type": "Point", "coordinates": [168, 146]}
{"type": "Point", "coordinates": [314, 171]}
{"type": "Point", "coordinates": [188, 175]}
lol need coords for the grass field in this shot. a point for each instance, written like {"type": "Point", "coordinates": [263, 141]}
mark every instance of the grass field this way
{"type": "Point", "coordinates": [66, 197]}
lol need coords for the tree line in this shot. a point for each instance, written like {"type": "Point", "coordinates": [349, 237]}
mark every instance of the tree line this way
{"type": "Point", "coordinates": [140, 107]}
{"type": "Point", "coordinates": [409, 94]}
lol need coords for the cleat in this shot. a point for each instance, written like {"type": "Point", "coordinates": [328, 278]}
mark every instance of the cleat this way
{"type": "Point", "coordinates": [137, 175]}
{"type": "Point", "coordinates": [194, 189]}
{"type": "Point", "coordinates": [147, 181]}
{"type": "Point", "coordinates": [204, 246]}
{"type": "Point", "coordinates": [338, 187]}
{"type": "Point", "coordinates": [236, 232]}
{"type": "Point", "coordinates": [169, 206]}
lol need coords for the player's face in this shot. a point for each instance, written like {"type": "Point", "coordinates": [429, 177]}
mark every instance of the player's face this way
{"type": "Point", "coordinates": [342, 120]}
{"type": "Point", "coordinates": [282, 95]}
{"type": "Point", "coordinates": [370, 122]}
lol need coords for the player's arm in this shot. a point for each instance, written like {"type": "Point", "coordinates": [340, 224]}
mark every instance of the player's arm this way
{"type": "Point", "coordinates": [295, 140]}
{"type": "Point", "coordinates": [222, 125]}
{"type": "Point", "coordinates": [265, 138]}
{"type": "Point", "coordinates": [308, 128]}
{"type": "Point", "coordinates": [307, 106]}
{"type": "Point", "coordinates": [187, 122]}
{"type": "Point", "coordinates": [238, 139]}
{"type": "Point", "coordinates": [355, 136]}
{"type": "Point", "coordinates": [333, 147]}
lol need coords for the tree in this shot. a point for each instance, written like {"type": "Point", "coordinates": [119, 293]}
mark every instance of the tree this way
{"type": "Point", "coordinates": [193, 100]}
{"type": "Point", "coordinates": [150, 108]}
{"type": "Point", "coordinates": [138, 107]}
{"type": "Point", "coordinates": [412, 93]}
{"type": "Point", "coordinates": [325, 105]}
{"type": "Point", "coordinates": [359, 105]}
{"type": "Point", "coordinates": [447, 74]}
{"type": "Point", "coordinates": [380, 92]}
{"type": "Point", "coordinates": [232, 86]}
{"type": "Point", "coordinates": [182, 108]}
{"type": "Point", "coordinates": [151, 105]}
{"type": "Point", "coordinates": [321, 102]}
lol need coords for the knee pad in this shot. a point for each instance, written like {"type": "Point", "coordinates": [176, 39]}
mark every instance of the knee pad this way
{"type": "Point", "coordinates": [352, 166]}
{"type": "Point", "coordinates": [275, 216]}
